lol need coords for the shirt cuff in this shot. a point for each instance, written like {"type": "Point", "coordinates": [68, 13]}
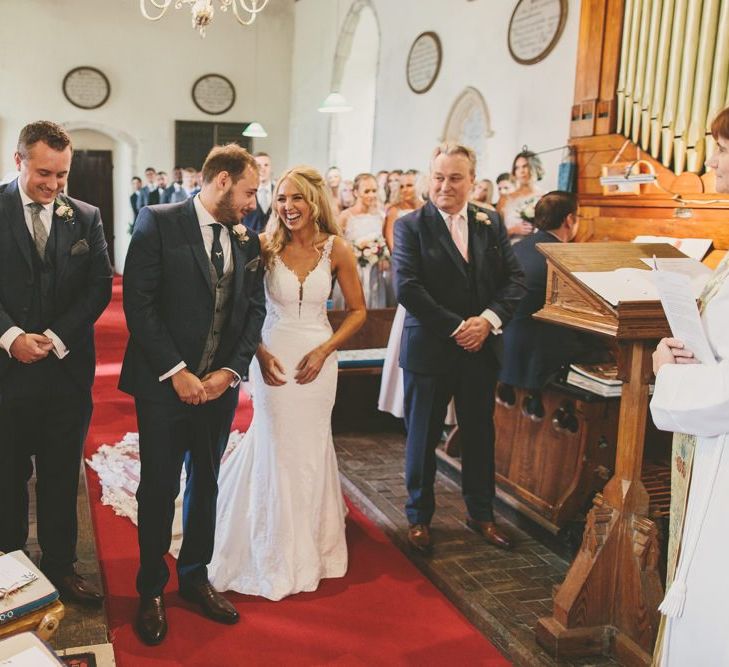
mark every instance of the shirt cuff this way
{"type": "Point", "coordinates": [236, 379]}
{"type": "Point", "coordinates": [458, 328]}
{"type": "Point", "coordinates": [8, 338]}
{"type": "Point", "coordinates": [59, 348]}
{"type": "Point", "coordinates": [172, 371]}
{"type": "Point", "coordinates": [495, 320]}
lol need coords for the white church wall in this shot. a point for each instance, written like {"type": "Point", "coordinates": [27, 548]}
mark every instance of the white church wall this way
{"type": "Point", "coordinates": [151, 68]}
{"type": "Point", "coordinates": [526, 104]}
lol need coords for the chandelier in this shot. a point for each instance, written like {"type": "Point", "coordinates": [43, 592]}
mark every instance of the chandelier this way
{"type": "Point", "coordinates": [245, 11]}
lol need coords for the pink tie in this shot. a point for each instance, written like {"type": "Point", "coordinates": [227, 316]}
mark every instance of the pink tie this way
{"type": "Point", "coordinates": [457, 235]}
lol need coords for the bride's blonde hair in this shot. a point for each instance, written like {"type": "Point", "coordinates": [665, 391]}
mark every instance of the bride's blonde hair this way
{"type": "Point", "coordinates": [310, 183]}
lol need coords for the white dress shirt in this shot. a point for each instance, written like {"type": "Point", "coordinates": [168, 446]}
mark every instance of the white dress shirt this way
{"type": "Point", "coordinates": [461, 219]}
{"type": "Point", "coordinates": [206, 221]}
{"type": "Point", "coordinates": [46, 216]}
{"type": "Point", "coordinates": [264, 196]}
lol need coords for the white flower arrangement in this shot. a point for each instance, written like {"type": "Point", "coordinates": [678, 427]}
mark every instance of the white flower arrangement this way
{"type": "Point", "coordinates": [369, 250]}
{"type": "Point", "coordinates": [240, 232]}
{"type": "Point", "coordinates": [483, 218]}
{"type": "Point", "coordinates": [527, 210]}
{"type": "Point", "coordinates": [63, 210]}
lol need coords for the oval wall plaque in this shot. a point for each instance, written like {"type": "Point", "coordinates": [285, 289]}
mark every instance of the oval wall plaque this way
{"type": "Point", "coordinates": [86, 87]}
{"type": "Point", "coordinates": [424, 62]}
{"type": "Point", "coordinates": [213, 94]}
{"type": "Point", "coordinates": [535, 29]}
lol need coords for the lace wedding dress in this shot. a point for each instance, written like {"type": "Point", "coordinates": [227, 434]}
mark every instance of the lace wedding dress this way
{"type": "Point", "coordinates": [280, 520]}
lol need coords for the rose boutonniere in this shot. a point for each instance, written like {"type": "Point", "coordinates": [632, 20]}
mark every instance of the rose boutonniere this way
{"type": "Point", "coordinates": [483, 218]}
{"type": "Point", "coordinates": [241, 233]}
{"type": "Point", "coordinates": [64, 211]}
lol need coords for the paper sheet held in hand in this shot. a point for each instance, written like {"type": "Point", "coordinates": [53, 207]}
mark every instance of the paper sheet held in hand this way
{"type": "Point", "coordinates": [679, 303]}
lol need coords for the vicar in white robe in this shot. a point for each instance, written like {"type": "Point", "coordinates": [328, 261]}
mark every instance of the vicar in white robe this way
{"type": "Point", "coordinates": [693, 399]}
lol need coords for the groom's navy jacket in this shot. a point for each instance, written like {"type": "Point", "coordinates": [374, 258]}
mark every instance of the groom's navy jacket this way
{"type": "Point", "coordinates": [67, 295]}
{"type": "Point", "coordinates": [169, 301]}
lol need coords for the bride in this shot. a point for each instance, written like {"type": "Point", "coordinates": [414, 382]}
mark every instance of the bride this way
{"type": "Point", "coordinates": [280, 525]}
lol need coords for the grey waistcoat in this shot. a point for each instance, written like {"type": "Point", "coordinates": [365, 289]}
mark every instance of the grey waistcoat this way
{"type": "Point", "coordinates": [223, 293]}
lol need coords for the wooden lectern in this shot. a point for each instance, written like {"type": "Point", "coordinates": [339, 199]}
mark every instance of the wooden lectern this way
{"type": "Point", "coordinates": [609, 600]}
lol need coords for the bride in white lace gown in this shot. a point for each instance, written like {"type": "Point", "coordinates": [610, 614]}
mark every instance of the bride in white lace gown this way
{"type": "Point", "coordinates": [280, 525]}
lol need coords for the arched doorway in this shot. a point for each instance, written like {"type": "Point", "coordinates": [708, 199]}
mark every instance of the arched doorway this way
{"type": "Point", "coordinates": [95, 144]}
{"type": "Point", "coordinates": [351, 135]}
{"type": "Point", "coordinates": [469, 123]}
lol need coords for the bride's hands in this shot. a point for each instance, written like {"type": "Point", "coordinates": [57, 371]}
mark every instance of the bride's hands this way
{"type": "Point", "coordinates": [272, 369]}
{"type": "Point", "coordinates": [310, 365]}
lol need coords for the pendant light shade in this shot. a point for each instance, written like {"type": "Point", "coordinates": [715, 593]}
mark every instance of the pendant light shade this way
{"type": "Point", "coordinates": [335, 103]}
{"type": "Point", "coordinates": [255, 130]}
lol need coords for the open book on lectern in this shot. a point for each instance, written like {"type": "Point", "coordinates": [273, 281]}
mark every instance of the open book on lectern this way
{"type": "Point", "coordinates": [23, 587]}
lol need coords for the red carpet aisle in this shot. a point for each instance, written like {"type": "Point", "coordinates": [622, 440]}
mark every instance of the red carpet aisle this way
{"type": "Point", "coordinates": [384, 612]}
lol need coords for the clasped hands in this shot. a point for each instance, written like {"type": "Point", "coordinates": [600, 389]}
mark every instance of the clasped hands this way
{"type": "Point", "coordinates": [473, 333]}
{"type": "Point", "coordinates": [671, 351]}
{"type": "Point", "coordinates": [195, 391]}
{"type": "Point", "coordinates": [29, 347]}
{"type": "Point", "coordinates": [307, 369]}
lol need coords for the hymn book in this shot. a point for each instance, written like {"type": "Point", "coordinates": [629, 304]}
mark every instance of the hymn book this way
{"type": "Point", "coordinates": [23, 587]}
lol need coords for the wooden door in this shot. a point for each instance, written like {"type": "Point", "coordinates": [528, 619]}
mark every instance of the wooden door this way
{"type": "Point", "coordinates": [91, 180]}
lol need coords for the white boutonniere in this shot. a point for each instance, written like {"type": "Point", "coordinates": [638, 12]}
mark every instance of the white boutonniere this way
{"type": "Point", "coordinates": [64, 211]}
{"type": "Point", "coordinates": [483, 218]}
{"type": "Point", "coordinates": [241, 233]}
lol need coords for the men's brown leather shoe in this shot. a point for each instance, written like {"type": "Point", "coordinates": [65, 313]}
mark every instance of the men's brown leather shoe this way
{"type": "Point", "coordinates": [151, 622]}
{"type": "Point", "coordinates": [212, 603]}
{"type": "Point", "coordinates": [75, 588]}
{"type": "Point", "coordinates": [490, 532]}
{"type": "Point", "coordinates": [419, 537]}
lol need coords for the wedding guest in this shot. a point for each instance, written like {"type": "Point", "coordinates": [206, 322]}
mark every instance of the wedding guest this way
{"type": "Point", "coordinates": [505, 186]}
{"type": "Point", "coordinates": [361, 225]}
{"type": "Point", "coordinates": [535, 351]}
{"type": "Point", "coordinates": [393, 186]}
{"type": "Point", "coordinates": [334, 179]}
{"type": "Point", "coordinates": [162, 185]}
{"type": "Point", "coordinates": [483, 193]}
{"type": "Point", "coordinates": [346, 194]}
{"type": "Point", "coordinates": [691, 398]}
{"type": "Point", "coordinates": [381, 178]}
{"type": "Point", "coordinates": [407, 201]}
{"type": "Point", "coordinates": [517, 209]}
{"type": "Point", "coordinates": [135, 199]}
{"type": "Point", "coordinates": [256, 220]}
{"type": "Point", "coordinates": [192, 336]}
{"type": "Point", "coordinates": [55, 281]}
{"type": "Point", "coordinates": [459, 282]}
{"type": "Point", "coordinates": [150, 174]}
{"type": "Point", "coordinates": [187, 189]}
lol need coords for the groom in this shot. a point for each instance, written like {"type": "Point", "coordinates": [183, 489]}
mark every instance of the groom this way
{"type": "Point", "coordinates": [459, 281]}
{"type": "Point", "coordinates": [194, 304]}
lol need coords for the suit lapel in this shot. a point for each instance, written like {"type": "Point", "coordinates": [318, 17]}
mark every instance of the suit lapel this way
{"type": "Point", "coordinates": [441, 231]}
{"type": "Point", "coordinates": [478, 239]}
{"type": "Point", "coordinates": [16, 220]}
{"type": "Point", "coordinates": [191, 227]}
{"type": "Point", "coordinates": [65, 236]}
{"type": "Point", "coordinates": [239, 267]}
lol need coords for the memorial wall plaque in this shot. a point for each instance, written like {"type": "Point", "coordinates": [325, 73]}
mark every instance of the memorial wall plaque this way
{"type": "Point", "coordinates": [213, 94]}
{"type": "Point", "coordinates": [535, 29]}
{"type": "Point", "coordinates": [424, 62]}
{"type": "Point", "coordinates": [86, 87]}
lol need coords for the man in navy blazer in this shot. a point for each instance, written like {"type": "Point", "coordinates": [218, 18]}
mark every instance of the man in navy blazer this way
{"type": "Point", "coordinates": [458, 279]}
{"type": "Point", "coordinates": [55, 281]}
{"type": "Point", "coordinates": [194, 303]}
{"type": "Point", "coordinates": [257, 219]}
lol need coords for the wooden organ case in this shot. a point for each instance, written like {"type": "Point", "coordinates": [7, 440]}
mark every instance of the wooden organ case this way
{"type": "Point", "coordinates": [650, 78]}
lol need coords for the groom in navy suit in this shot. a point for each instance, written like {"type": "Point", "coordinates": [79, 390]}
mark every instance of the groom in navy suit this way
{"type": "Point", "coordinates": [459, 281]}
{"type": "Point", "coordinates": [55, 281]}
{"type": "Point", "coordinates": [194, 303]}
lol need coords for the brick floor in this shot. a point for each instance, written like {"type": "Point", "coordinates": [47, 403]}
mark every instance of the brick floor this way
{"type": "Point", "coordinates": [501, 593]}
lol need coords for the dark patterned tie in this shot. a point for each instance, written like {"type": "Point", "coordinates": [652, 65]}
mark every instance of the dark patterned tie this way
{"type": "Point", "coordinates": [40, 235]}
{"type": "Point", "coordinates": [216, 252]}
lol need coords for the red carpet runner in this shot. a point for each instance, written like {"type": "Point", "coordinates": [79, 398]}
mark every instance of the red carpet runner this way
{"type": "Point", "coordinates": [384, 612]}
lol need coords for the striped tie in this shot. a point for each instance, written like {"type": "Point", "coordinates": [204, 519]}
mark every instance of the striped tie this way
{"type": "Point", "coordinates": [40, 235]}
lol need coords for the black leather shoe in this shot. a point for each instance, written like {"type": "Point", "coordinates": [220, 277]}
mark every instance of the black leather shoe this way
{"type": "Point", "coordinates": [74, 588]}
{"type": "Point", "coordinates": [490, 532]}
{"type": "Point", "coordinates": [212, 603]}
{"type": "Point", "coordinates": [419, 538]}
{"type": "Point", "coordinates": [151, 622]}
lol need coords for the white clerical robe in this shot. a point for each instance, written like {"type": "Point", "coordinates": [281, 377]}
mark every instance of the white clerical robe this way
{"type": "Point", "coordinates": [694, 399]}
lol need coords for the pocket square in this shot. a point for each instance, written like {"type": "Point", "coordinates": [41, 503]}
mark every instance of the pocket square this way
{"type": "Point", "coordinates": [253, 264]}
{"type": "Point", "coordinates": [80, 247]}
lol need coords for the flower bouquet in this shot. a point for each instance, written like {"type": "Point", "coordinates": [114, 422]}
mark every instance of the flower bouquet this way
{"type": "Point", "coordinates": [369, 250]}
{"type": "Point", "coordinates": [527, 210]}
